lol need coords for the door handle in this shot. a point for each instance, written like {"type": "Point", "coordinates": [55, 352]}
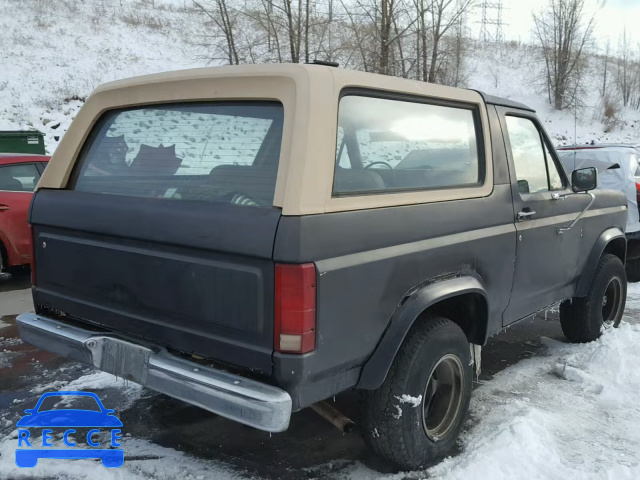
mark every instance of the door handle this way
{"type": "Point", "coordinates": [525, 215]}
{"type": "Point", "coordinates": [4, 207]}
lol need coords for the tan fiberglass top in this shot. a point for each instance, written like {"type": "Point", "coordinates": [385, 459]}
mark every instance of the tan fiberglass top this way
{"type": "Point", "coordinates": [310, 96]}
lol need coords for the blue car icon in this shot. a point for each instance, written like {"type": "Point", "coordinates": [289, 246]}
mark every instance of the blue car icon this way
{"type": "Point", "coordinates": [67, 418]}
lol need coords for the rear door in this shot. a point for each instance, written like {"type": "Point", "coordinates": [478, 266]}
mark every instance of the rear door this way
{"type": "Point", "coordinates": [17, 182]}
{"type": "Point", "coordinates": [546, 260]}
{"type": "Point", "coordinates": [166, 231]}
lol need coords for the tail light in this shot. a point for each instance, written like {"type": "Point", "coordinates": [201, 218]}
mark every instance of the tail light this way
{"type": "Point", "coordinates": [638, 192]}
{"type": "Point", "coordinates": [295, 308]}
{"type": "Point", "coordinates": [32, 252]}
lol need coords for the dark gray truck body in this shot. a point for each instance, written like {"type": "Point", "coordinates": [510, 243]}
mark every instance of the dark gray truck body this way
{"type": "Point", "coordinates": [197, 280]}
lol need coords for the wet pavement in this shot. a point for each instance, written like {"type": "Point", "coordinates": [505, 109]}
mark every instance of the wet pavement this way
{"type": "Point", "coordinates": [311, 448]}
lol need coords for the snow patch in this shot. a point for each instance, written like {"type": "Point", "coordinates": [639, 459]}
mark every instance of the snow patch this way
{"type": "Point", "coordinates": [570, 415]}
{"type": "Point", "coordinates": [413, 401]}
{"type": "Point", "coordinates": [143, 460]}
{"type": "Point", "coordinates": [97, 381]}
{"type": "Point", "coordinates": [92, 381]}
{"type": "Point", "coordinates": [398, 414]}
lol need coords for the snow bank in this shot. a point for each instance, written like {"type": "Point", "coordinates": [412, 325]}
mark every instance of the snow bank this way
{"type": "Point", "coordinates": [72, 46]}
{"type": "Point", "coordinates": [515, 71]}
{"type": "Point", "coordinates": [97, 381]}
{"type": "Point", "coordinates": [55, 53]}
{"type": "Point", "coordinates": [571, 415]}
{"type": "Point", "coordinates": [143, 460]}
{"type": "Point", "coordinates": [91, 381]}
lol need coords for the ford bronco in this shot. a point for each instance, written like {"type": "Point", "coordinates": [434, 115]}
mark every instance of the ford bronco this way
{"type": "Point", "coordinates": [256, 239]}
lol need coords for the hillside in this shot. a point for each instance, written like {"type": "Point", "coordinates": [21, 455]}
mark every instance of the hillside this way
{"type": "Point", "coordinates": [76, 45]}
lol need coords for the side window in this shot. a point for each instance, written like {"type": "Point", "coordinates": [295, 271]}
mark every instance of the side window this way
{"type": "Point", "coordinates": [389, 145]}
{"type": "Point", "coordinates": [535, 169]}
{"type": "Point", "coordinates": [19, 178]}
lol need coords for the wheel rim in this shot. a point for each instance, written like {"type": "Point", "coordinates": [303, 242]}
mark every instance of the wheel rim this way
{"type": "Point", "coordinates": [442, 397]}
{"type": "Point", "coordinates": [611, 302]}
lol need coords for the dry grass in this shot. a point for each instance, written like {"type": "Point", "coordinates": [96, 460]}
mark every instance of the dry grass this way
{"type": "Point", "coordinates": [142, 19]}
{"type": "Point", "coordinates": [611, 113]}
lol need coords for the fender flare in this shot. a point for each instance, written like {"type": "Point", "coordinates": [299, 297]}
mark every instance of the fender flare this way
{"type": "Point", "coordinates": [377, 366]}
{"type": "Point", "coordinates": [605, 238]}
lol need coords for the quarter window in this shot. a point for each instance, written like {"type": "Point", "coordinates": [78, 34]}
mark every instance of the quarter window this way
{"type": "Point", "coordinates": [19, 178]}
{"type": "Point", "coordinates": [389, 145]}
{"type": "Point", "coordinates": [536, 170]}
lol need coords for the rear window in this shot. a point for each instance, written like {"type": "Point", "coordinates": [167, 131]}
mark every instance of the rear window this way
{"type": "Point", "coordinates": [215, 152]}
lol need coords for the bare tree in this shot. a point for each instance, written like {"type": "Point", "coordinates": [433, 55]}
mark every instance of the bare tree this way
{"type": "Point", "coordinates": [423, 32]}
{"type": "Point", "coordinates": [636, 104]}
{"type": "Point", "coordinates": [444, 15]}
{"type": "Point", "coordinates": [306, 31]}
{"type": "Point", "coordinates": [420, 39]}
{"type": "Point", "coordinates": [603, 92]}
{"type": "Point", "coordinates": [625, 78]}
{"type": "Point", "coordinates": [293, 26]}
{"type": "Point", "coordinates": [225, 23]}
{"type": "Point", "coordinates": [563, 32]}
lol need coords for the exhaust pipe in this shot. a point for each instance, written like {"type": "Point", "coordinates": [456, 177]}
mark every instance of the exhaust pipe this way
{"type": "Point", "coordinates": [334, 416]}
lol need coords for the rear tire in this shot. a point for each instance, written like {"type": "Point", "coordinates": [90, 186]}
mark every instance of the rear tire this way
{"type": "Point", "coordinates": [433, 367]}
{"type": "Point", "coordinates": [633, 270]}
{"type": "Point", "coordinates": [584, 319]}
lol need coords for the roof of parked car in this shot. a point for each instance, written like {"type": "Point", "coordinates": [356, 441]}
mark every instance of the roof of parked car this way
{"type": "Point", "coordinates": [7, 158]}
{"type": "Point", "coordinates": [598, 145]}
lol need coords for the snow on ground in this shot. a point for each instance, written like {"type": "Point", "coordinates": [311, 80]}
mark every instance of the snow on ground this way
{"type": "Point", "coordinates": [514, 71]}
{"type": "Point", "coordinates": [96, 381]}
{"type": "Point", "coordinates": [54, 53]}
{"type": "Point", "coordinates": [143, 460]}
{"type": "Point", "coordinates": [572, 414]}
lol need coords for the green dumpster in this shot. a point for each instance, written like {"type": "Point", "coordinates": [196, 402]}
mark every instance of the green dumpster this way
{"type": "Point", "coordinates": [26, 141]}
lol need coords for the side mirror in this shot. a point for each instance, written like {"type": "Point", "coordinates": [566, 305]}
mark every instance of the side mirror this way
{"type": "Point", "coordinates": [584, 179]}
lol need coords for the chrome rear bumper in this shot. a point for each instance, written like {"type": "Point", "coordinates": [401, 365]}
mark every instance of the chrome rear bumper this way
{"type": "Point", "coordinates": [246, 401]}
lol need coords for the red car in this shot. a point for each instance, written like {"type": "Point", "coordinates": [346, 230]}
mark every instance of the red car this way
{"type": "Point", "coordinates": [19, 174]}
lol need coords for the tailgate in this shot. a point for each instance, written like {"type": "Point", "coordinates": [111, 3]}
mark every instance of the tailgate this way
{"type": "Point", "coordinates": [165, 231]}
{"type": "Point", "coordinates": [198, 279]}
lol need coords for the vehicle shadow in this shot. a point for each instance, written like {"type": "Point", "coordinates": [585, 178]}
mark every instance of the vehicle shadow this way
{"type": "Point", "coordinates": [311, 447]}
{"type": "Point", "coordinates": [18, 279]}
